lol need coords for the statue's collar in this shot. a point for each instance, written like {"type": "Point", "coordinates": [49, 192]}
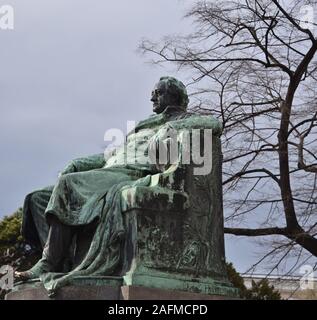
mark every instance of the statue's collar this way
{"type": "Point", "coordinates": [171, 110]}
{"type": "Point", "coordinates": [170, 113]}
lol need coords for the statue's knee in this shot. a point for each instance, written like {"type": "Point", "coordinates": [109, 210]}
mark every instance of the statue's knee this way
{"type": "Point", "coordinates": [63, 179]}
{"type": "Point", "coordinates": [35, 197]}
{"type": "Point", "coordinates": [68, 176]}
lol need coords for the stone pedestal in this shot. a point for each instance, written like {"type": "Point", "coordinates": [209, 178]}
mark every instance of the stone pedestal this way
{"type": "Point", "coordinates": [67, 293]}
{"type": "Point", "coordinates": [107, 292]}
{"type": "Point", "coordinates": [143, 293]}
{"type": "Point", "coordinates": [80, 288]}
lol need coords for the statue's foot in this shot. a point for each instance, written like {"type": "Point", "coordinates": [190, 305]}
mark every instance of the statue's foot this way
{"type": "Point", "coordinates": [41, 267]}
{"type": "Point", "coordinates": [23, 276]}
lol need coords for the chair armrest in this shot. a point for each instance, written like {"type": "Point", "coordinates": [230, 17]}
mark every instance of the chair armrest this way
{"type": "Point", "coordinates": [153, 199]}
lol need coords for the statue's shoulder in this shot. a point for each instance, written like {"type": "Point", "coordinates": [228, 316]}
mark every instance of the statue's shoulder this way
{"type": "Point", "coordinates": [182, 120]}
{"type": "Point", "coordinates": [197, 121]}
{"type": "Point", "coordinates": [149, 123]}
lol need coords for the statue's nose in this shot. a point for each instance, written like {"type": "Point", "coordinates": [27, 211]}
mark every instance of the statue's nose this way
{"type": "Point", "coordinates": [154, 98]}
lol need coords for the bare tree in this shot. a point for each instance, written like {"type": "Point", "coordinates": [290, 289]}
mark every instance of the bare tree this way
{"type": "Point", "coordinates": [252, 64]}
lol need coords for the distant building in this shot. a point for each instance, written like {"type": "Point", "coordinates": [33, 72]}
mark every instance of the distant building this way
{"type": "Point", "coordinates": [290, 287]}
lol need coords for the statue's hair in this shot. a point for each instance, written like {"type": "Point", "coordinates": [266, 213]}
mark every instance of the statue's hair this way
{"type": "Point", "coordinates": [176, 88]}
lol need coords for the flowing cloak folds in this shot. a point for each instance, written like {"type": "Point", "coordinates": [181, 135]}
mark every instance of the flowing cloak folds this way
{"type": "Point", "coordinates": [90, 190]}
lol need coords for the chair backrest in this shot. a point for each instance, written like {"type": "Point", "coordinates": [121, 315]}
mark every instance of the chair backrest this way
{"type": "Point", "coordinates": [203, 223]}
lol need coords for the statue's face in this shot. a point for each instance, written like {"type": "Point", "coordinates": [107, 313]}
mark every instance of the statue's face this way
{"type": "Point", "coordinates": [160, 98]}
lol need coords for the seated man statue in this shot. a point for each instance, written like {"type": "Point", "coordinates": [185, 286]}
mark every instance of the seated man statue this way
{"type": "Point", "coordinates": [86, 199]}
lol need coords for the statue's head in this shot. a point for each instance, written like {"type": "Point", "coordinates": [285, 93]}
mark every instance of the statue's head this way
{"type": "Point", "coordinates": [169, 92]}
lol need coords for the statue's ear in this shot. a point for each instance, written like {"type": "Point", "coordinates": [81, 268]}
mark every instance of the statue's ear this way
{"type": "Point", "coordinates": [176, 98]}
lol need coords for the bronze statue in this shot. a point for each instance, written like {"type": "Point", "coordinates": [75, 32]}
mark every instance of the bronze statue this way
{"type": "Point", "coordinates": [127, 215]}
{"type": "Point", "coordinates": [85, 200]}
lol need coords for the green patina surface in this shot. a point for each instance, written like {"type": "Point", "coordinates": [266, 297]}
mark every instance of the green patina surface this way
{"type": "Point", "coordinates": [111, 281]}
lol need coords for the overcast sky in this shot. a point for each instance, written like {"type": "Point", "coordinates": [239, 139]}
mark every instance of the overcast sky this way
{"type": "Point", "coordinates": [70, 71]}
